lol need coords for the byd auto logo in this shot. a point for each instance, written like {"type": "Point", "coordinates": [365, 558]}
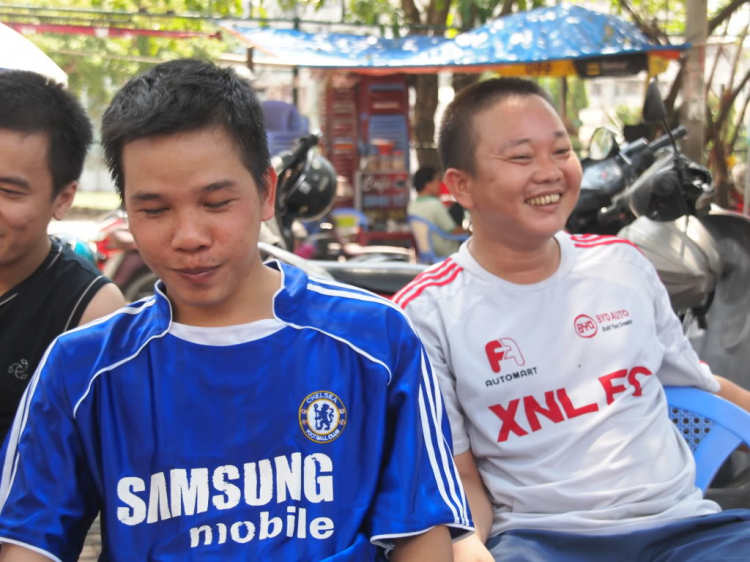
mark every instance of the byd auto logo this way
{"type": "Point", "coordinates": [585, 326]}
{"type": "Point", "coordinates": [503, 350]}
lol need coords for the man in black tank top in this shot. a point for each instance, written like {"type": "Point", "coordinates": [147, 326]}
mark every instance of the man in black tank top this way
{"type": "Point", "coordinates": [45, 289]}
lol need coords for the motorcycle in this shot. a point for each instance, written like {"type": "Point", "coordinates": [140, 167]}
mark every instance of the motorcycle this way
{"type": "Point", "coordinates": [701, 252]}
{"type": "Point", "coordinates": [306, 191]}
{"type": "Point", "coordinates": [607, 171]}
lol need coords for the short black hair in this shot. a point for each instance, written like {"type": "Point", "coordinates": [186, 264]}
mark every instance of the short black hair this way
{"type": "Point", "coordinates": [32, 103]}
{"type": "Point", "coordinates": [456, 140]}
{"type": "Point", "coordinates": [422, 177]}
{"type": "Point", "coordinates": [182, 96]}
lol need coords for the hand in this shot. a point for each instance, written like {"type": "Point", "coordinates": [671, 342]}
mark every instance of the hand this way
{"type": "Point", "coordinates": [471, 549]}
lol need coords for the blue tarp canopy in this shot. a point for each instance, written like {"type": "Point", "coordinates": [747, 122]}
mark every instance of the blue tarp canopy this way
{"type": "Point", "coordinates": [289, 47]}
{"type": "Point", "coordinates": [560, 33]}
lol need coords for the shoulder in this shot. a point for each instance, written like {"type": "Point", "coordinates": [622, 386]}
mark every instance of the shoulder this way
{"type": "Point", "coordinates": [436, 283]}
{"type": "Point", "coordinates": [105, 299]}
{"type": "Point", "coordinates": [73, 276]}
{"type": "Point", "coordinates": [616, 262]}
{"type": "Point", "coordinates": [425, 204]}
{"type": "Point", "coordinates": [593, 248]}
{"type": "Point", "coordinates": [108, 342]}
{"type": "Point", "coordinates": [93, 294]}
{"type": "Point", "coordinates": [351, 309]}
{"type": "Point", "coordinates": [72, 266]}
{"type": "Point", "coordinates": [366, 322]}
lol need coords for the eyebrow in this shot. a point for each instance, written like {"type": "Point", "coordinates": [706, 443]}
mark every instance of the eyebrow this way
{"type": "Point", "coordinates": [516, 142]}
{"type": "Point", "coordinates": [18, 182]}
{"type": "Point", "coordinates": [210, 188]}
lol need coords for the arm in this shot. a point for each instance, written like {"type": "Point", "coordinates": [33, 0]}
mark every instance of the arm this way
{"type": "Point", "coordinates": [48, 498]}
{"type": "Point", "coordinates": [680, 365]}
{"type": "Point", "coordinates": [472, 548]}
{"type": "Point", "coordinates": [13, 553]}
{"type": "Point", "coordinates": [734, 393]}
{"type": "Point", "coordinates": [419, 489]}
{"type": "Point", "coordinates": [434, 545]}
{"type": "Point", "coordinates": [105, 301]}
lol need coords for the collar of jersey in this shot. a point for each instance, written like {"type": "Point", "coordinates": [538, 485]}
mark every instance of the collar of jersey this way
{"type": "Point", "coordinates": [567, 258]}
{"type": "Point", "coordinates": [286, 301]}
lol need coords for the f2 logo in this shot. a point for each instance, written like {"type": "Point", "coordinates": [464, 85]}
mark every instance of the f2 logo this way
{"type": "Point", "coordinates": [503, 350]}
{"type": "Point", "coordinates": [585, 326]}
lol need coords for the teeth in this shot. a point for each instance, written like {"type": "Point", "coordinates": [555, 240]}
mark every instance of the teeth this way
{"type": "Point", "coordinates": [544, 199]}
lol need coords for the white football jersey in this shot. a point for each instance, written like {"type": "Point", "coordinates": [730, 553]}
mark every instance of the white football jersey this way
{"type": "Point", "coordinates": [556, 387]}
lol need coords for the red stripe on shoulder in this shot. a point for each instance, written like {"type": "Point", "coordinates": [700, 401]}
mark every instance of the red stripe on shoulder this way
{"type": "Point", "coordinates": [427, 275]}
{"type": "Point", "coordinates": [590, 238]}
{"type": "Point", "coordinates": [436, 283]}
{"type": "Point", "coordinates": [606, 241]}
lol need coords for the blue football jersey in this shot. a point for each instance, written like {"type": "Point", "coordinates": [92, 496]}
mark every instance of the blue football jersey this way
{"type": "Point", "coordinates": [317, 435]}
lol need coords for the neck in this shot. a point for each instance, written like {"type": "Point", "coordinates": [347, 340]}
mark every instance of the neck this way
{"type": "Point", "coordinates": [523, 265]}
{"type": "Point", "coordinates": [11, 274]}
{"type": "Point", "coordinates": [252, 301]}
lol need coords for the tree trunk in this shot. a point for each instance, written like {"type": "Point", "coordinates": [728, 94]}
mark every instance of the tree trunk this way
{"type": "Point", "coordinates": [425, 104]}
{"type": "Point", "coordinates": [720, 175]}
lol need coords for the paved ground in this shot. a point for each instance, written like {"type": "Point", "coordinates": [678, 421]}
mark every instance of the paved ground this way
{"type": "Point", "coordinates": [93, 546]}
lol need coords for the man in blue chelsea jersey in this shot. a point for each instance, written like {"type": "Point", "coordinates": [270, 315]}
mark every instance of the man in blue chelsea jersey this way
{"type": "Point", "coordinates": [246, 411]}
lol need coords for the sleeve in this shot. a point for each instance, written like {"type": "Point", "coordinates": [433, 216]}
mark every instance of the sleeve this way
{"type": "Point", "coordinates": [419, 486]}
{"type": "Point", "coordinates": [442, 218]}
{"type": "Point", "coordinates": [680, 366]}
{"type": "Point", "coordinates": [432, 336]}
{"type": "Point", "coordinates": [47, 497]}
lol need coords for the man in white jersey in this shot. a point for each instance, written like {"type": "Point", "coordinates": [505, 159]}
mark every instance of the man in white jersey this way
{"type": "Point", "coordinates": [551, 351]}
{"type": "Point", "coordinates": [244, 412]}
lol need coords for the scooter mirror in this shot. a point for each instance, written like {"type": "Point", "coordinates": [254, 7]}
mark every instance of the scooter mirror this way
{"type": "Point", "coordinates": [602, 144]}
{"type": "Point", "coordinates": [653, 106]}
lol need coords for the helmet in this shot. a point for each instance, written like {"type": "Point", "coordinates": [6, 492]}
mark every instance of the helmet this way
{"type": "Point", "coordinates": [687, 259]}
{"type": "Point", "coordinates": [306, 192]}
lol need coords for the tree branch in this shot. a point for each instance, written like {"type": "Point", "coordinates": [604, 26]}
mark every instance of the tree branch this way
{"type": "Point", "coordinates": [724, 14]}
{"type": "Point", "coordinates": [728, 101]}
{"type": "Point", "coordinates": [738, 52]}
{"type": "Point", "coordinates": [653, 33]}
{"type": "Point", "coordinates": [736, 134]}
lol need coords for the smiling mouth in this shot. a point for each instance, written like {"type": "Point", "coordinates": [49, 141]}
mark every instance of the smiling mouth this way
{"type": "Point", "coordinates": [544, 200]}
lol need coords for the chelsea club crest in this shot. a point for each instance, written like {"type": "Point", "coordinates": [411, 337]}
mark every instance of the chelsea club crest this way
{"type": "Point", "coordinates": [322, 416]}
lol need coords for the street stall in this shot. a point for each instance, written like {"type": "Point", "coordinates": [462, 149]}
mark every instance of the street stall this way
{"type": "Point", "coordinates": [364, 107]}
{"type": "Point", "coordinates": [364, 115]}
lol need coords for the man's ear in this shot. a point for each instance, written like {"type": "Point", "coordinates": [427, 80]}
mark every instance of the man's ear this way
{"type": "Point", "coordinates": [269, 203]}
{"type": "Point", "coordinates": [63, 200]}
{"type": "Point", "coordinates": [459, 184]}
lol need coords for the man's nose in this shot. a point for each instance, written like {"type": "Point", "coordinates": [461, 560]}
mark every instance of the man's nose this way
{"type": "Point", "coordinates": [548, 170]}
{"type": "Point", "coordinates": [190, 233]}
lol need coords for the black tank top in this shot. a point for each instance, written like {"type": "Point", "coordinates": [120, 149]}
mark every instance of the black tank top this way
{"type": "Point", "coordinates": [32, 314]}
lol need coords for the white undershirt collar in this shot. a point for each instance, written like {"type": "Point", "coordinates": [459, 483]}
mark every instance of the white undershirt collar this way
{"type": "Point", "coordinates": [226, 335]}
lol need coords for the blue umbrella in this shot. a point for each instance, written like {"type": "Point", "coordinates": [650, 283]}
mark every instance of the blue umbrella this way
{"type": "Point", "coordinates": [593, 43]}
